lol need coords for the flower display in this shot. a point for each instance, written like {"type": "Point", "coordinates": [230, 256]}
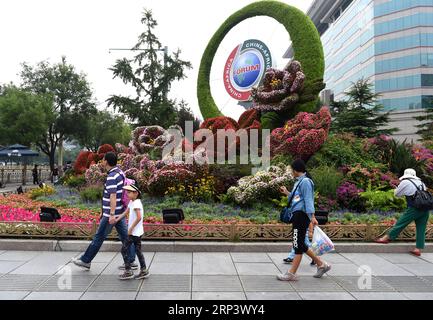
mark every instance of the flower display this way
{"type": "Point", "coordinates": [302, 136]}
{"type": "Point", "coordinates": [348, 196]}
{"type": "Point", "coordinates": [96, 174]}
{"type": "Point", "coordinates": [151, 139]}
{"type": "Point", "coordinates": [365, 177]}
{"type": "Point", "coordinates": [263, 185]}
{"type": "Point", "coordinates": [281, 88]}
{"type": "Point", "coordinates": [82, 163]}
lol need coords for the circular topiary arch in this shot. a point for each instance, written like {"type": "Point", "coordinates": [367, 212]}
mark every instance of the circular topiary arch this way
{"type": "Point", "coordinates": [306, 43]}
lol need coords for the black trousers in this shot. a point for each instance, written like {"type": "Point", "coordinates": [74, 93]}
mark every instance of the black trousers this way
{"type": "Point", "coordinates": [300, 222]}
{"type": "Point", "coordinates": [125, 249]}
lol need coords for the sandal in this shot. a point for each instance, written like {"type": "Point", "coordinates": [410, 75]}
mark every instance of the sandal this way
{"type": "Point", "coordinates": [415, 253]}
{"type": "Point", "coordinates": [382, 241]}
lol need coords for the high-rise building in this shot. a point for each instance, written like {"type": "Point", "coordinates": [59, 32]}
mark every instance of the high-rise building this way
{"type": "Point", "coordinates": [389, 42]}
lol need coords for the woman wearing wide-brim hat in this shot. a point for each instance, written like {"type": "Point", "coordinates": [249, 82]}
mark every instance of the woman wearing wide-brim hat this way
{"type": "Point", "coordinates": [408, 187]}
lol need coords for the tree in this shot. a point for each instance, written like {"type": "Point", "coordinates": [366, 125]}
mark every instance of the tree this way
{"type": "Point", "coordinates": [151, 75]}
{"type": "Point", "coordinates": [426, 127]}
{"type": "Point", "coordinates": [184, 114]}
{"type": "Point", "coordinates": [24, 116]}
{"type": "Point", "coordinates": [361, 114]}
{"type": "Point", "coordinates": [72, 101]}
{"type": "Point", "coordinates": [103, 128]}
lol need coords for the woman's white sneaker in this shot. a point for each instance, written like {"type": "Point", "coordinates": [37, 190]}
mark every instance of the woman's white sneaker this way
{"type": "Point", "coordinates": [288, 276]}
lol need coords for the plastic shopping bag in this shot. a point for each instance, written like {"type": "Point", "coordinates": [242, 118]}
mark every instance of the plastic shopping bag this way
{"type": "Point", "coordinates": [321, 242]}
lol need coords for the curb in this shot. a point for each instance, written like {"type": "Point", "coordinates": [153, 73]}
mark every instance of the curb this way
{"type": "Point", "coordinates": [185, 246]}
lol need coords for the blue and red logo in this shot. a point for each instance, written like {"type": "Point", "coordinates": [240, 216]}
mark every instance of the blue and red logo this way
{"type": "Point", "coordinates": [245, 68]}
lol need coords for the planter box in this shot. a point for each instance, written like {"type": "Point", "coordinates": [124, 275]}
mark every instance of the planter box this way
{"type": "Point", "coordinates": [208, 232]}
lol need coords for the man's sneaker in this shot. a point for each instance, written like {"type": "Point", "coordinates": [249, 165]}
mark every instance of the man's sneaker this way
{"type": "Point", "coordinates": [144, 274]}
{"type": "Point", "coordinates": [322, 270]}
{"type": "Point", "coordinates": [134, 266]}
{"type": "Point", "coordinates": [288, 276]}
{"type": "Point", "coordinates": [81, 264]}
{"type": "Point", "coordinates": [288, 260]}
{"type": "Point", "coordinates": [127, 275]}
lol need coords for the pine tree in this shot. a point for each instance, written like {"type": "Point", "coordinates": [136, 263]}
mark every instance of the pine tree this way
{"type": "Point", "coordinates": [151, 73]}
{"type": "Point", "coordinates": [361, 114]}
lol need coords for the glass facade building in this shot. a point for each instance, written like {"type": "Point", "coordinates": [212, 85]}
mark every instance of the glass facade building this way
{"type": "Point", "coordinates": [389, 42]}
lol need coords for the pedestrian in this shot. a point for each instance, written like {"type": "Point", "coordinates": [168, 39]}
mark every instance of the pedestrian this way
{"type": "Point", "coordinates": [302, 208]}
{"type": "Point", "coordinates": [55, 174]}
{"type": "Point", "coordinates": [35, 174]}
{"type": "Point", "coordinates": [111, 207]}
{"type": "Point", "coordinates": [135, 232]}
{"type": "Point", "coordinates": [408, 186]}
{"type": "Point", "coordinates": [308, 235]}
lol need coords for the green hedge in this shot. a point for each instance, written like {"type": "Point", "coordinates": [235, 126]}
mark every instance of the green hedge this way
{"type": "Point", "coordinates": [305, 40]}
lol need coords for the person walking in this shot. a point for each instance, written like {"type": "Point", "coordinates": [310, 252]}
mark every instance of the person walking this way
{"type": "Point", "coordinates": [111, 207]}
{"type": "Point", "coordinates": [308, 235]}
{"type": "Point", "coordinates": [408, 186]}
{"type": "Point", "coordinates": [302, 208]}
{"type": "Point", "coordinates": [35, 175]}
{"type": "Point", "coordinates": [55, 174]}
{"type": "Point", "coordinates": [135, 232]}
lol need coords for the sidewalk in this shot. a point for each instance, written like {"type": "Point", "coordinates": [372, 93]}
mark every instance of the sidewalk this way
{"type": "Point", "coordinates": [216, 275]}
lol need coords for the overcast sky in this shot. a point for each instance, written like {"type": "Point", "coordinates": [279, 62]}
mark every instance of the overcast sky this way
{"type": "Point", "coordinates": [84, 30]}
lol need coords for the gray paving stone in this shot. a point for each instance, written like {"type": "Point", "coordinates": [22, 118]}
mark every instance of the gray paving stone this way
{"type": "Point", "coordinates": [13, 295]}
{"type": "Point", "coordinates": [250, 257]}
{"type": "Point", "coordinates": [408, 284]}
{"type": "Point", "coordinates": [272, 296]}
{"type": "Point", "coordinates": [418, 295]}
{"type": "Point", "coordinates": [213, 264]}
{"type": "Point", "coordinates": [344, 270]}
{"type": "Point", "coordinates": [164, 296]}
{"type": "Point", "coordinates": [2, 251]}
{"type": "Point", "coordinates": [96, 269]}
{"type": "Point", "coordinates": [419, 269]}
{"type": "Point", "coordinates": [14, 282]}
{"type": "Point", "coordinates": [62, 284]}
{"type": "Point", "coordinates": [171, 268]}
{"type": "Point", "coordinates": [8, 266]}
{"type": "Point", "coordinates": [111, 283]}
{"type": "Point", "coordinates": [218, 296]}
{"type": "Point", "coordinates": [265, 284]}
{"type": "Point", "coordinates": [167, 283]}
{"type": "Point", "coordinates": [378, 296]}
{"type": "Point", "coordinates": [118, 295]}
{"type": "Point", "coordinates": [54, 296]}
{"type": "Point", "coordinates": [310, 284]}
{"type": "Point", "coordinates": [334, 258]}
{"type": "Point", "coordinates": [425, 256]}
{"type": "Point", "coordinates": [326, 296]}
{"type": "Point", "coordinates": [113, 267]}
{"type": "Point", "coordinates": [104, 257]}
{"type": "Point", "coordinates": [19, 255]}
{"type": "Point", "coordinates": [379, 266]}
{"type": "Point", "coordinates": [216, 284]}
{"type": "Point", "coordinates": [259, 269]}
{"type": "Point", "coordinates": [397, 258]}
{"type": "Point", "coordinates": [47, 263]}
{"type": "Point", "coordinates": [173, 257]}
{"type": "Point", "coordinates": [351, 284]}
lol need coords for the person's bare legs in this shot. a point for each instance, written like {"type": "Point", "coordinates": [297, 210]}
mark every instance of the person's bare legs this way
{"type": "Point", "coordinates": [298, 258]}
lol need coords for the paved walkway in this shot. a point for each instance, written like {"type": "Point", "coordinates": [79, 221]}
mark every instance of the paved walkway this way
{"type": "Point", "coordinates": [238, 276]}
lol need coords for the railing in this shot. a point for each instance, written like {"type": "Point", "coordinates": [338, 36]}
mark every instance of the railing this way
{"type": "Point", "coordinates": [209, 232]}
{"type": "Point", "coordinates": [14, 174]}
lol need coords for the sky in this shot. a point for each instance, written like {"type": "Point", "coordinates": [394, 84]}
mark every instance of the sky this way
{"type": "Point", "coordinates": [85, 30]}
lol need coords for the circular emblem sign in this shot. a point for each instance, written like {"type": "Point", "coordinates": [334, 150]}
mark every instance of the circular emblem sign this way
{"type": "Point", "coordinates": [245, 68]}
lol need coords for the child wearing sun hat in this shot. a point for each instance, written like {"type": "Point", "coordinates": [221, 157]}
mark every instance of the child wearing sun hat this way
{"type": "Point", "coordinates": [135, 232]}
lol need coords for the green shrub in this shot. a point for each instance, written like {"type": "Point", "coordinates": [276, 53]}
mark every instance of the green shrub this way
{"type": "Point", "coordinates": [342, 150]}
{"type": "Point", "coordinates": [402, 158]}
{"type": "Point", "coordinates": [75, 181]}
{"type": "Point", "coordinates": [382, 200]}
{"type": "Point", "coordinates": [326, 180]}
{"type": "Point", "coordinates": [282, 159]}
{"type": "Point", "coordinates": [41, 192]}
{"type": "Point", "coordinates": [91, 194]}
